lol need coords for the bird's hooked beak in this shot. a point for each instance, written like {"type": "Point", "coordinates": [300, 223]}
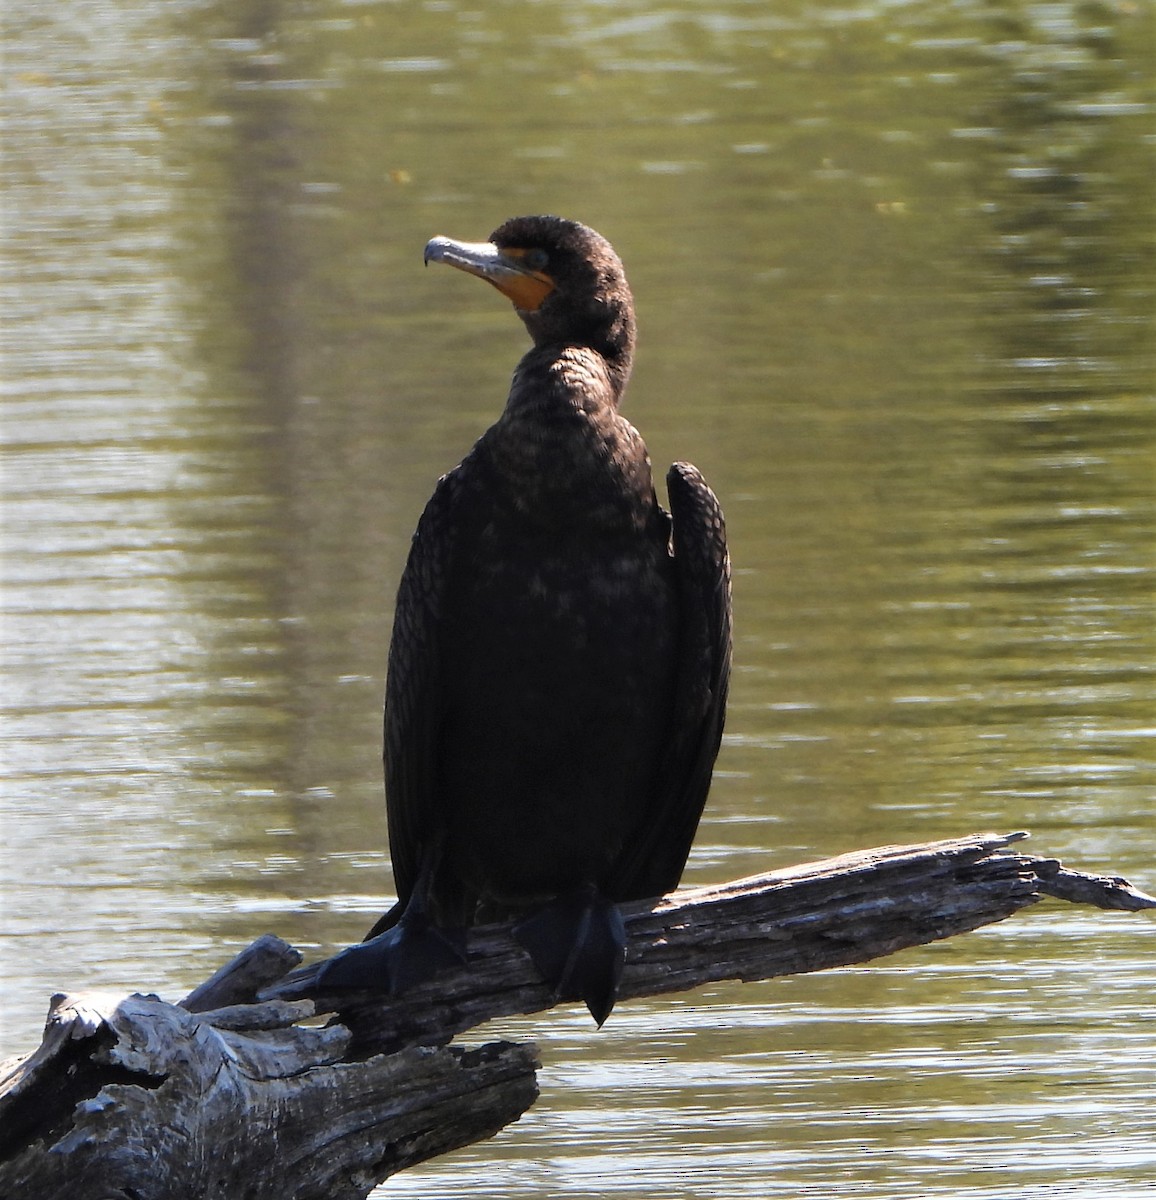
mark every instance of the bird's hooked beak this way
{"type": "Point", "coordinates": [504, 268]}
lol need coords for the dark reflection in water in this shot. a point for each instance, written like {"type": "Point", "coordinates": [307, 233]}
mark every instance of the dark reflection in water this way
{"type": "Point", "coordinates": [894, 276]}
{"type": "Point", "coordinates": [1066, 308]}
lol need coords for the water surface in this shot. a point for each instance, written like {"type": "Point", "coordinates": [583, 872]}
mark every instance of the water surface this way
{"type": "Point", "coordinates": [893, 267]}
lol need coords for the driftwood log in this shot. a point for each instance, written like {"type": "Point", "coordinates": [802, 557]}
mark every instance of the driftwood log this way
{"type": "Point", "coordinates": [239, 1091]}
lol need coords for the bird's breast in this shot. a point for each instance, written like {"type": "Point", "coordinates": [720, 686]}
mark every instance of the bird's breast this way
{"type": "Point", "coordinates": [558, 648]}
{"type": "Point", "coordinates": [563, 665]}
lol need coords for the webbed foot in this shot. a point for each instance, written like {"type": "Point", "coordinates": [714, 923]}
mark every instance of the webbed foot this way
{"type": "Point", "coordinates": [411, 952]}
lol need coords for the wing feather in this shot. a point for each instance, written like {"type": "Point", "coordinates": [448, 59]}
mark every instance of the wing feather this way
{"type": "Point", "coordinates": [414, 685]}
{"type": "Point", "coordinates": [653, 865]}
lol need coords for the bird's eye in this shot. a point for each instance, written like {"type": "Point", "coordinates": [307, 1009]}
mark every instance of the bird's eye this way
{"type": "Point", "coordinates": [536, 259]}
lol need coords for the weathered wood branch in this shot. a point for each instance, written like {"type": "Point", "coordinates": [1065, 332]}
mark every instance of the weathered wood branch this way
{"type": "Point", "coordinates": [832, 913]}
{"type": "Point", "coordinates": [229, 1094]}
{"type": "Point", "coordinates": [144, 1099]}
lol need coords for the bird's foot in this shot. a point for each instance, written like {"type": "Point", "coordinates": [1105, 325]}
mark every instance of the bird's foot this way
{"type": "Point", "coordinates": [410, 953]}
{"type": "Point", "coordinates": [578, 944]}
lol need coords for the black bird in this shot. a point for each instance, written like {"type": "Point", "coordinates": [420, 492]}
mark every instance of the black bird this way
{"type": "Point", "coordinates": [560, 655]}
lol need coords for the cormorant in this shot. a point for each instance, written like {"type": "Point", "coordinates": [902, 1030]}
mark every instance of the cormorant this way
{"type": "Point", "coordinates": [560, 655]}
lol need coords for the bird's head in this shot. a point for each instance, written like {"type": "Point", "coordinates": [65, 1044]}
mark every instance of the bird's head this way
{"type": "Point", "coordinates": [564, 280]}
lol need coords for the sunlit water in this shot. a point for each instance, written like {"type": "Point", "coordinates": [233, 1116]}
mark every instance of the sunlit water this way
{"type": "Point", "coordinates": [893, 266]}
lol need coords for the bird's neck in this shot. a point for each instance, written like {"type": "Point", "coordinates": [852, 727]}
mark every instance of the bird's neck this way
{"type": "Point", "coordinates": [557, 379]}
{"type": "Point", "coordinates": [563, 453]}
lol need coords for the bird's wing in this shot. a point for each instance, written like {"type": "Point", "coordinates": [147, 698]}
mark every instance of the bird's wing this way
{"type": "Point", "coordinates": [413, 689]}
{"type": "Point", "coordinates": [654, 864]}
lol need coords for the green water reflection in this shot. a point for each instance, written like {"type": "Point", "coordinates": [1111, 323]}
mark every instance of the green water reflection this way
{"type": "Point", "coordinates": [894, 271]}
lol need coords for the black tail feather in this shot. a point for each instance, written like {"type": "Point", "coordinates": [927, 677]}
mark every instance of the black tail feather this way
{"type": "Point", "coordinates": [578, 944]}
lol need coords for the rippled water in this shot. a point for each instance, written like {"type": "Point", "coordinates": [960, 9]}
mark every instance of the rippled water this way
{"type": "Point", "coordinates": [893, 265]}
